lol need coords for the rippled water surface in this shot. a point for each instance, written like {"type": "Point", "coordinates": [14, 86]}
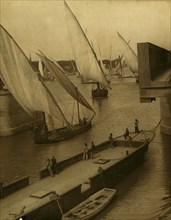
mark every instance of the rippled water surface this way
{"type": "Point", "coordinates": [145, 193]}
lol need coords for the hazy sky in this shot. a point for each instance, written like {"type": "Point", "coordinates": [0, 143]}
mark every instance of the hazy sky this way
{"type": "Point", "coordinates": [42, 24]}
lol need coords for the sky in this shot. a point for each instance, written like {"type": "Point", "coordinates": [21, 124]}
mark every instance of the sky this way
{"type": "Point", "coordinates": [42, 25]}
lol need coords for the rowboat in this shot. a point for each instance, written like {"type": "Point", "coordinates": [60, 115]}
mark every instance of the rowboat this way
{"type": "Point", "coordinates": [91, 206]}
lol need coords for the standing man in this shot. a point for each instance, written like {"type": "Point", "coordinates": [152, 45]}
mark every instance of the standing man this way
{"type": "Point", "coordinates": [126, 135]}
{"type": "Point", "coordinates": [92, 149]}
{"type": "Point", "coordinates": [111, 140]}
{"type": "Point", "coordinates": [85, 154]}
{"type": "Point", "coordinates": [54, 165]}
{"type": "Point", "coordinates": [49, 167]}
{"type": "Point", "coordinates": [136, 126]}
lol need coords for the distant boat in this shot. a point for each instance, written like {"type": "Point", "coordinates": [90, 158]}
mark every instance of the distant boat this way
{"type": "Point", "coordinates": [129, 56]}
{"type": "Point", "coordinates": [91, 206]}
{"type": "Point", "coordinates": [86, 60]}
{"type": "Point", "coordinates": [36, 94]}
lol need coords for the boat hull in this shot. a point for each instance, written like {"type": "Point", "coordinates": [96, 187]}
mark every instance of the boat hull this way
{"type": "Point", "coordinates": [112, 175]}
{"type": "Point", "coordinates": [91, 206]}
{"type": "Point", "coordinates": [97, 93]}
{"type": "Point", "coordinates": [62, 133]}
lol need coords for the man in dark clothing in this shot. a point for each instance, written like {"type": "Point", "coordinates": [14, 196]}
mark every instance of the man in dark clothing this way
{"type": "Point", "coordinates": [111, 140]}
{"type": "Point", "coordinates": [92, 149]}
{"type": "Point", "coordinates": [136, 126]}
{"type": "Point", "coordinates": [126, 135]}
{"type": "Point", "coordinates": [54, 165]}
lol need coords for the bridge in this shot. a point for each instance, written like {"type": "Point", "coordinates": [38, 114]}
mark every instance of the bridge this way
{"type": "Point", "coordinates": [154, 66]}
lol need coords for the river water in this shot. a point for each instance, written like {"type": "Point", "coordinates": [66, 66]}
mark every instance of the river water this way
{"type": "Point", "coordinates": [145, 193]}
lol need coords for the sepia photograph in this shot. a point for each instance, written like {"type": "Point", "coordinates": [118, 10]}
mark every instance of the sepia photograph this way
{"type": "Point", "coordinates": [85, 110]}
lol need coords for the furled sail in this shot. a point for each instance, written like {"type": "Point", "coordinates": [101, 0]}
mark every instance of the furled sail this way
{"type": "Point", "coordinates": [22, 81]}
{"type": "Point", "coordinates": [129, 55]}
{"type": "Point", "coordinates": [64, 81]}
{"type": "Point", "coordinates": [40, 66]}
{"type": "Point", "coordinates": [85, 57]}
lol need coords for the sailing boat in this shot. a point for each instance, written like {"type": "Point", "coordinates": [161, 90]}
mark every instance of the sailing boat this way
{"type": "Point", "coordinates": [129, 55]}
{"type": "Point", "coordinates": [89, 66]}
{"type": "Point", "coordinates": [35, 94]}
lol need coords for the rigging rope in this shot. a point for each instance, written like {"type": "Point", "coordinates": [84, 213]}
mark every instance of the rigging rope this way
{"type": "Point", "coordinates": [155, 128]}
{"type": "Point", "coordinates": [73, 113]}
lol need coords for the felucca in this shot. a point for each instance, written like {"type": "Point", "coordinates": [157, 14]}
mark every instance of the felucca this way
{"type": "Point", "coordinates": [51, 97]}
{"type": "Point", "coordinates": [89, 66]}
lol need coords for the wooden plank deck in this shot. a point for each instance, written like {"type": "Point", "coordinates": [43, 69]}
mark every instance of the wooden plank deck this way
{"type": "Point", "coordinates": [64, 181]}
{"type": "Point", "coordinates": [69, 178]}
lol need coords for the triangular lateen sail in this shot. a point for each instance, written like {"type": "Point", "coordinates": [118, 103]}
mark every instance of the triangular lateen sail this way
{"type": "Point", "coordinates": [84, 54]}
{"type": "Point", "coordinates": [22, 81]}
{"type": "Point", "coordinates": [100, 60]}
{"type": "Point", "coordinates": [64, 81]}
{"type": "Point", "coordinates": [20, 78]}
{"type": "Point", "coordinates": [129, 55]}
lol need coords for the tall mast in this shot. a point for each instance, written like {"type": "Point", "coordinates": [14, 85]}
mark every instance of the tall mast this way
{"type": "Point", "coordinates": [99, 47]}
{"type": "Point", "coordinates": [55, 102]}
{"type": "Point", "coordinates": [110, 64]}
{"type": "Point", "coordinates": [78, 110]}
{"type": "Point", "coordinates": [45, 126]}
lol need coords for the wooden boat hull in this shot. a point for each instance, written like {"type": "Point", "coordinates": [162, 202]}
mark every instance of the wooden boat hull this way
{"type": "Point", "coordinates": [91, 206]}
{"type": "Point", "coordinates": [62, 133]}
{"type": "Point", "coordinates": [97, 93]}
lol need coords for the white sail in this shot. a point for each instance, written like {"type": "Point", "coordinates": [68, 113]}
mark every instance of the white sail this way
{"type": "Point", "coordinates": [84, 54]}
{"type": "Point", "coordinates": [64, 81]}
{"type": "Point", "coordinates": [50, 121]}
{"type": "Point", "coordinates": [101, 62]}
{"type": "Point", "coordinates": [22, 81]}
{"type": "Point", "coordinates": [129, 55]}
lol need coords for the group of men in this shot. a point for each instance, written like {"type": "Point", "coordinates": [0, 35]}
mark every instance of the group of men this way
{"type": "Point", "coordinates": [87, 151]}
{"type": "Point", "coordinates": [136, 122]}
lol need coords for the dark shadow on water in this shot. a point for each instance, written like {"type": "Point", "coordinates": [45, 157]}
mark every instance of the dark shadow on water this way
{"type": "Point", "coordinates": [122, 188]}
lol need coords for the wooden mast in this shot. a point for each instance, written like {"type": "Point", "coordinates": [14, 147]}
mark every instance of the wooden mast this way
{"type": "Point", "coordinates": [55, 102]}
{"type": "Point", "coordinates": [110, 64]}
{"type": "Point", "coordinates": [78, 109]}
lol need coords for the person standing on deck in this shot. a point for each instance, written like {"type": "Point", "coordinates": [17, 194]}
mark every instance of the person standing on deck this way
{"type": "Point", "coordinates": [49, 167]}
{"type": "Point", "coordinates": [92, 150]}
{"type": "Point", "coordinates": [54, 165]}
{"type": "Point", "coordinates": [126, 135]}
{"type": "Point", "coordinates": [111, 140]}
{"type": "Point", "coordinates": [136, 126]}
{"type": "Point", "coordinates": [85, 154]}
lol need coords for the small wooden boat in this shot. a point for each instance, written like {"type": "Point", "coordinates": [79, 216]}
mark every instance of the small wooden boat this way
{"type": "Point", "coordinates": [91, 206]}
